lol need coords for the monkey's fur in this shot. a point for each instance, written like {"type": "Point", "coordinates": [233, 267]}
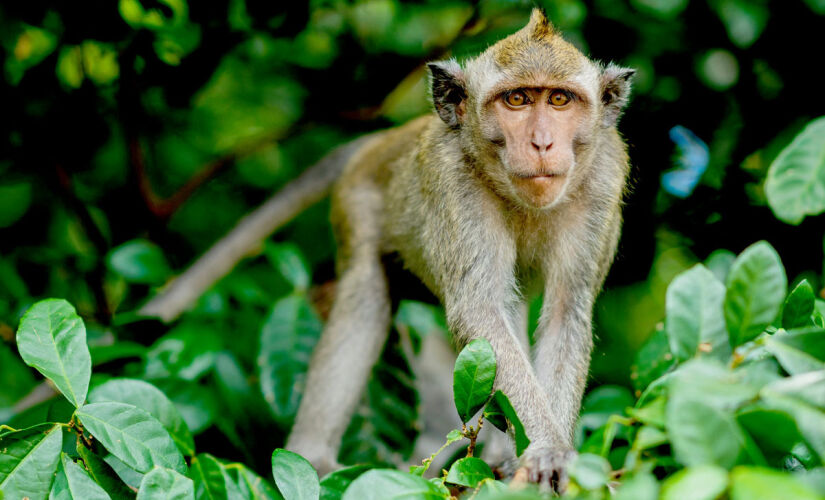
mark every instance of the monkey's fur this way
{"type": "Point", "coordinates": [485, 217]}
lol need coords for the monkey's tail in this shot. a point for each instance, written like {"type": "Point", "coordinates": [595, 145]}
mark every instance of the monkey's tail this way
{"type": "Point", "coordinates": [309, 188]}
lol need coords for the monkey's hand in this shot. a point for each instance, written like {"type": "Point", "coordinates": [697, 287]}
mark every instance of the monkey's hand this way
{"type": "Point", "coordinates": [546, 467]}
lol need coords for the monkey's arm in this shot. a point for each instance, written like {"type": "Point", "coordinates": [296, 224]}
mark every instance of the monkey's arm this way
{"type": "Point", "coordinates": [309, 188]}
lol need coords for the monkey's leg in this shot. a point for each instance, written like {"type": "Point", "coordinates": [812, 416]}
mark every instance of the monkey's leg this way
{"type": "Point", "coordinates": [349, 347]}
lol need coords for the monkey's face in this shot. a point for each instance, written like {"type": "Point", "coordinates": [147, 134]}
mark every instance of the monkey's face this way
{"type": "Point", "coordinates": [534, 132]}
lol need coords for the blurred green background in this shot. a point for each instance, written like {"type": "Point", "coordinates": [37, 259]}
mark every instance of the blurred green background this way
{"type": "Point", "coordinates": [136, 133]}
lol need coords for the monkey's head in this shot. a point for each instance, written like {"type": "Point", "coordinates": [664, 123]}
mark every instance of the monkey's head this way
{"type": "Point", "coordinates": [530, 109]}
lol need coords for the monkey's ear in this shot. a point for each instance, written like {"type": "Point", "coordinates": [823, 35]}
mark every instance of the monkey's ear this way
{"type": "Point", "coordinates": [449, 92]}
{"type": "Point", "coordinates": [615, 91]}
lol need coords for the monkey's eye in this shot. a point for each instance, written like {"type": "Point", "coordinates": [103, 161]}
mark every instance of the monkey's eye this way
{"type": "Point", "coordinates": [559, 98]}
{"type": "Point", "coordinates": [515, 98]}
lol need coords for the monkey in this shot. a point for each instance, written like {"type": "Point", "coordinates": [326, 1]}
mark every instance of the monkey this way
{"type": "Point", "coordinates": [513, 187]}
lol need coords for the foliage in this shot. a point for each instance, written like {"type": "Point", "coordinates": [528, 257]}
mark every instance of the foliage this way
{"type": "Point", "coordinates": [140, 131]}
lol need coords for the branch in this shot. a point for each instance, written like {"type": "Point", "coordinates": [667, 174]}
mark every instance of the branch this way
{"type": "Point", "coordinates": [309, 188]}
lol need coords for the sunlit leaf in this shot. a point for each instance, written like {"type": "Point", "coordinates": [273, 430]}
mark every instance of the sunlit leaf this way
{"type": "Point", "coordinates": [139, 261]}
{"type": "Point", "coordinates": [73, 482]}
{"type": "Point", "coordinates": [761, 483]}
{"type": "Point", "coordinates": [799, 306]}
{"type": "Point", "coordinates": [132, 435]}
{"type": "Point", "coordinates": [384, 484]}
{"type": "Point", "coordinates": [295, 476]}
{"type": "Point", "coordinates": [469, 471]}
{"type": "Point", "coordinates": [153, 401]}
{"type": "Point", "coordinates": [28, 461]}
{"type": "Point", "coordinates": [795, 185]}
{"type": "Point", "coordinates": [755, 291]}
{"type": "Point", "coordinates": [701, 482]}
{"type": "Point", "coordinates": [590, 471]}
{"type": "Point", "coordinates": [473, 376]}
{"type": "Point", "coordinates": [52, 339]}
{"type": "Point", "coordinates": [165, 484]}
{"type": "Point", "coordinates": [695, 323]}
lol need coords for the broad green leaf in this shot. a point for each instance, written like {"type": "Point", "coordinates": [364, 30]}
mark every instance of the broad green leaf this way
{"type": "Point", "coordinates": [809, 420]}
{"type": "Point", "coordinates": [638, 486]}
{"type": "Point", "coordinates": [700, 482]}
{"type": "Point", "coordinates": [590, 471]}
{"type": "Point", "coordinates": [469, 471]}
{"type": "Point", "coordinates": [419, 320]}
{"type": "Point", "coordinates": [254, 487]}
{"type": "Point", "coordinates": [165, 484]}
{"type": "Point", "coordinates": [153, 401]}
{"type": "Point", "coordinates": [501, 412]}
{"type": "Point", "coordinates": [290, 262]}
{"type": "Point", "coordinates": [649, 437]}
{"type": "Point", "coordinates": [187, 352]}
{"type": "Point", "coordinates": [73, 482]}
{"type": "Point", "coordinates": [808, 387]}
{"type": "Point", "coordinates": [795, 186]}
{"type": "Point", "coordinates": [139, 261]}
{"type": "Point", "coordinates": [28, 461]}
{"type": "Point", "coordinates": [14, 202]}
{"type": "Point", "coordinates": [473, 377]}
{"type": "Point", "coordinates": [52, 339]}
{"type": "Point", "coordinates": [755, 290]}
{"type": "Point", "coordinates": [701, 434]}
{"type": "Point", "coordinates": [601, 403]}
{"type": "Point", "coordinates": [798, 351]}
{"type": "Point", "coordinates": [295, 476]}
{"type": "Point", "coordinates": [207, 473]}
{"type": "Point", "coordinates": [334, 484]}
{"type": "Point", "coordinates": [799, 306]}
{"type": "Point", "coordinates": [132, 435]}
{"type": "Point", "coordinates": [695, 322]}
{"type": "Point", "coordinates": [384, 484]}
{"type": "Point", "coordinates": [287, 338]}
{"type": "Point", "coordinates": [744, 20]}
{"type": "Point", "coordinates": [128, 475]}
{"type": "Point", "coordinates": [719, 263]}
{"type": "Point", "coordinates": [103, 474]}
{"type": "Point", "coordinates": [761, 483]}
{"type": "Point", "coordinates": [774, 431]}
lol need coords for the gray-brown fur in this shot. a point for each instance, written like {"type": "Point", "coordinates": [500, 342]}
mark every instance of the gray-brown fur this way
{"type": "Point", "coordinates": [439, 192]}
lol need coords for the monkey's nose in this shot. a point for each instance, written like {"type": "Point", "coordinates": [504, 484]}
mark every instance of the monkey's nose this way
{"type": "Point", "coordinates": [542, 146]}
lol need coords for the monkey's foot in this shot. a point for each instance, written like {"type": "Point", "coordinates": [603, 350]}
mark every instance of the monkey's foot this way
{"type": "Point", "coordinates": [546, 467]}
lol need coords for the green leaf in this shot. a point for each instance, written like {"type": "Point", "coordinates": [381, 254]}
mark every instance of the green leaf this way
{"type": "Point", "coordinates": [469, 471]}
{"type": "Point", "coordinates": [72, 481]}
{"type": "Point", "coordinates": [207, 473]}
{"type": "Point", "coordinates": [128, 475]}
{"type": "Point", "coordinates": [334, 484]}
{"type": "Point", "coordinates": [153, 401]}
{"type": "Point", "coordinates": [52, 339]}
{"type": "Point", "coordinates": [103, 474]}
{"type": "Point", "coordinates": [808, 387]}
{"type": "Point", "coordinates": [774, 431]}
{"type": "Point", "coordinates": [384, 484]}
{"type": "Point", "coordinates": [419, 320]}
{"type": "Point", "coordinates": [166, 484]}
{"type": "Point", "coordinates": [253, 486]}
{"type": "Point", "coordinates": [809, 420]}
{"type": "Point", "coordinates": [799, 306]}
{"type": "Point", "coordinates": [761, 483]}
{"type": "Point", "coordinates": [132, 435]}
{"type": "Point", "coordinates": [500, 409]}
{"type": "Point", "coordinates": [590, 471]}
{"type": "Point", "coordinates": [694, 321]}
{"type": "Point", "coordinates": [701, 482]}
{"type": "Point", "coordinates": [290, 262]}
{"type": "Point", "coordinates": [603, 402]}
{"type": "Point", "coordinates": [701, 434]}
{"type": "Point", "coordinates": [798, 351]}
{"type": "Point", "coordinates": [14, 202]}
{"type": "Point", "coordinates": [139, 261]}
{"type": "Point", "coordinates": [287, 339]}
{"type": "Point", "coordinates": [638, 486]}
{"type": "Point", "coordinates": [473, 377]}
{"type": "Point", "coordinates": [755, 291]}
{"type": "Point", "coordinates": [795, 186]}
{"type": "Point", "coordinates": [28, 461]}
{"type": "Point", "coordinates": [295, 476]}
{"type": "Point", "coordinates": [187, 352]}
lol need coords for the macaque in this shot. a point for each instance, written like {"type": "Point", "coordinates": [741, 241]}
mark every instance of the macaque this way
{"type": "Point", "coordinates": [511, 189]}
